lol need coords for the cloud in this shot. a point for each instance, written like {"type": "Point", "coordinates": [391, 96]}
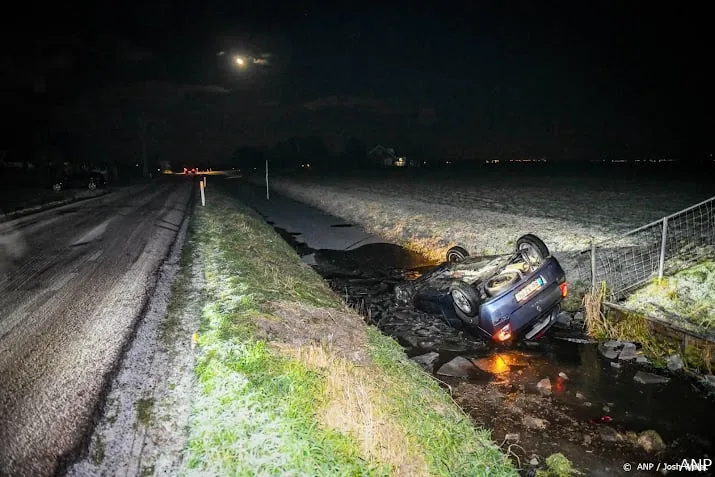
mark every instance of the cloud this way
{"type": "Point", "coordinates": [355, 103]}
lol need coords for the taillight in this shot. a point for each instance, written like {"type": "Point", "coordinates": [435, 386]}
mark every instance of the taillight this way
{"type": "Point", "coordinates": [564, 287]}
{"type": "Point", "coordinates": [503, 334]}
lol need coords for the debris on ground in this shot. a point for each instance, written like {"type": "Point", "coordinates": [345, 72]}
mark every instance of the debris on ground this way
{"type": "Point", "coordinates": [649, 378]}
{"type": "Point", "coordinates": [675, 362]}
{"type": "Point", "coordinates": [544, 386]}
{"type": "Point", "coordinates": [650, 441]}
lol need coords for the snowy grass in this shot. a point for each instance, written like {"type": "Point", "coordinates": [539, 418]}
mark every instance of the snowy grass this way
{"type": "Point", "coordinates": [688, 294]}
{"type": "Point", "coordinates": [487, 214]}
{"type": "Point", "coordinates": [276, 398]}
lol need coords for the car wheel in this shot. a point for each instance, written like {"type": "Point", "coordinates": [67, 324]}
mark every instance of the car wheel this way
{"type": "Point", "coordinates": [465, 298]}
{"type": "Point", "coordinates": [532, 248]}
{"type": "Point", "coordinates": [499, 283]}
{"type": "Point", "coordinates": [456, 254]}
{"type": "Point", "coordinates": [57, 187]}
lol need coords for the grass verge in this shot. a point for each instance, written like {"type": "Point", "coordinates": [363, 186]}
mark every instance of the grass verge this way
{"type": "Point", "coordinates": [292, 382]}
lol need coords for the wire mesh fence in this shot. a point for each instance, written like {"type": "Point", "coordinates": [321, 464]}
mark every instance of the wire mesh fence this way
{"type": "Point", "coordinates": [634, 258]}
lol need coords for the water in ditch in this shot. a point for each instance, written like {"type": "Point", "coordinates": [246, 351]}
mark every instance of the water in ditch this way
{"type": "Point", "coordinates": [593, 410]}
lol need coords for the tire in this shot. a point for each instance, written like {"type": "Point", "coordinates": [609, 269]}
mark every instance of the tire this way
{"type": "Point", "coordinates": [501, 282]}
{"type": "Point", "coordinates": [456, 254]}
{"type": "Point", "coordinates": [532, 248]}
{"type": "Point", "coordinates": [57, 187]}
{"type": "Point", "coordinates": [465, 299]}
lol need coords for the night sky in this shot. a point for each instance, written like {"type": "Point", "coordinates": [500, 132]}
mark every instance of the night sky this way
{"type": "Point", "coordinates": [504, 79]}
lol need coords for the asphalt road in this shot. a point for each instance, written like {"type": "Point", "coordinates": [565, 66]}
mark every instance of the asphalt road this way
{"type": "Point", "coordinates": [73, 283]}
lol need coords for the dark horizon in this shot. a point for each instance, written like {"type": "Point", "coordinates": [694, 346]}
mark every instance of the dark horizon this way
{"type": "Point", "coordinates": [480, 81]}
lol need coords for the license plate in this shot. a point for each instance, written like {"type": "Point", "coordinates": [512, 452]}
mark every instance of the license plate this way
{"type": "Point", "coordinates": [529, 289]}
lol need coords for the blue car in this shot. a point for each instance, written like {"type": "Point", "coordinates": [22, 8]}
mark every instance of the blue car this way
{"type": "Point", "coordinates": [504, 297]}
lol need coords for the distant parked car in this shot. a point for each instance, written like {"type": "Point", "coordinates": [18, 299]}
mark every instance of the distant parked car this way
{"type": "Point", "coordinates": [80, 180]}
{"type": "Point", "coordinates": [505, 297]}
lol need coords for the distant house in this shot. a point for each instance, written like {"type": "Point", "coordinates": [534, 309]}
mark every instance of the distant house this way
{"type": "Point", "coordinates": [385, 157]}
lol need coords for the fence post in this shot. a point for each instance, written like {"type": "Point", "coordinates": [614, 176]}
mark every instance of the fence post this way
{"type": "Point", "coordinates": [203, 194]}
{"type": "Point", "coordinates": [593, 266]}
{"type": "Point", "coordinates": [268, 194]}
{"type": "Point", "coordinates": [662, 248]}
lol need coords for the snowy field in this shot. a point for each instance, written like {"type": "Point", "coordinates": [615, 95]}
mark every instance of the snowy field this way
{"type": "Point", "coordinates": [487, 214]}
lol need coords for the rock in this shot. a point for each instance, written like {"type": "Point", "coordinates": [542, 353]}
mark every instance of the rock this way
{"type": "Point", "coordinates": [640, 359]}
{"type": "Point", "coordinates": [606, 409]}
{"type": "Point", "coordinates": [426, 360]}
{"type": "Point", "coordinates": [649, 378]}
{"type": "Point", "coordinates": [675, 363]}
{"type": "Point", "coordinates": [422, 332]}
{"type": "Point", "coordinates": [564, 318]}
{"type": "Point", "coordinates": [459, 367]}
{"type": "Point", "coordinates": [628, 353]}
{"type": "Point", "coordinates": [580, 395]}
{"type": "Point", "coordinates": [512, 437]}
{"type": "Point", "coordinates": [651, 441]}
{"type": "Point", "coordinates": [563, 375]}
{"type": "Point", "coordinates": [615, 364]}
{"type": "Point", "coordinates": [587, 404]}
{"type": "Point", "coordinates": [544, 386]}
{"type": "Point", "coordinates": [610, 349]}
{"type": "Point", "coordinates": [532, 422]}
{"type": "Point", "coordinates": [578, 316]}
{"type": "Point", "coordinates": [534, 460]}
{"type": "Point", "coordinates": [586, 440]}
{"type": "Point", "coordinates": [608, 434]}
{"type": "Point", "coordinates": [709, 380]}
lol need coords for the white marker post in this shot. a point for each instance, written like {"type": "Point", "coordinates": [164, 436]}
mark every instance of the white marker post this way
{"type": "Point", "coordinates": [203, 196]}
{"type": "Point", "coordinates": [204, 182]}
{"type": "Point", "coordinates": [268, 194]}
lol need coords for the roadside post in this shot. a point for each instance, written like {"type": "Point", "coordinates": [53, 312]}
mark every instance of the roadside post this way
{"type": "Point", "coordinates": [268, 194]}
{"type": "Point", "coordinates": [203, 195]}
{"type": "Point", "coordinates": [204, 182]}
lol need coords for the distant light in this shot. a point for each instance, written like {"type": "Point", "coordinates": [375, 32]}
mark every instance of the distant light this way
{"type": "Point", "coordinates": [240, 61]}
{"type": "Point", "coordinates": [137, 165]}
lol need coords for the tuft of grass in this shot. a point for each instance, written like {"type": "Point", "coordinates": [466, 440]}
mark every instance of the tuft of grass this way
{"type": "Point", "coordinates": [557, 465]}
{"type": "Point", "coordinates": [145, 410]}
{"type": "Point", "coordinates": [99, 449]}
{"type": "Point", "coordinates": [274, 401]}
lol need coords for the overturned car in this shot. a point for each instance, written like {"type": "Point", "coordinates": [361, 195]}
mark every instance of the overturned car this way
{"type": "Point", "coordinates": [505, 297]}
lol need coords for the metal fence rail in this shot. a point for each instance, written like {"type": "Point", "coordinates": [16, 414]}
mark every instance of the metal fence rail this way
{"type": "Point", "coordinates": [632, 259]}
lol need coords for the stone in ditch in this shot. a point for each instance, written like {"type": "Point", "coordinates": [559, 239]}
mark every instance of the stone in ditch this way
{"type": "Point", "coordinates": [563, 375]}
{"type": "Point", "coordinates": [534, 461]}
{"type": "Point", "coordinates": [640, 359]}
{"type": "Point", "coordinates": [459, 367]}
{"type": "Point", "coordinates": [544, 386]}
{"type": "Point", "coordinates": [628, 353]}
{"type": "Point", "coordinates": [513, 437]}
{"type": "Point", "coordinates": [580, 395]}
{"type": "Point", "coordinates": [649, 378]}
{"type": "Point", "coordinates": [578, 316]}
{"type": "Point", "coordinates": [651, 441]}
{"type": "Point", "coordinates": [426, 360]}
{"type": "Point", "coordinates": [675, 363]}
{"type": "Point", "coordinates": [534, 422]}
{"type": "Point", "coordinates": [615, 364]}
{"type": "Point", "coordinates": [709, 380]}
{"type": "Point", "coordinates": [608, 434]}
{"type": "Point", "coordinates": [610, 349]}
{"type": "Point", "coordinates": [564, 318]}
